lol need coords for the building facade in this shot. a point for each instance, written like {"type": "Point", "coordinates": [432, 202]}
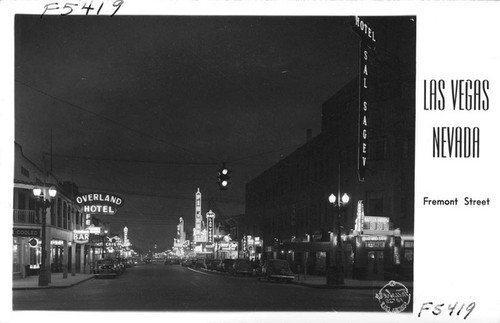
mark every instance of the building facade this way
{"type": "Point", "coordinates": [62, 218]}
{"type": "Point", "coordinates": [373, 116]}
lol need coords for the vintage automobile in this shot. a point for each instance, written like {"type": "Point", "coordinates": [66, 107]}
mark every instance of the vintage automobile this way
{"type": "Point", "coordinates": [277, 270]}
{"type": "Point", "coordinates": [213, 264]}
{"type": "Point", "coordinates": [187, 262]}
{"type": "Point", "coordinates": [120, 263]}
{"type": "Point", "coordinates": [200, 263]}
{"type": "Point", "coordinates": [226, 265]}
{"type": "Point", "coordinates": [172, 261]}
{"type": "Point", "coordinates": [242, 267]}
{"type": "Point", "coordinates": [106, 268]}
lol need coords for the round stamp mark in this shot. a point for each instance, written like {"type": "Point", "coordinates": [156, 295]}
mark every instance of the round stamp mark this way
{"type": "Point", "coordinates": [394, 297]}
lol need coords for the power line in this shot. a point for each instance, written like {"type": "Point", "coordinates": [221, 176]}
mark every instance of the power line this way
{"type": "Point", "coordinates": [109, 119]}
{"type": "Point", "coordinates": [215, 160]}
{"type": "Point", "coordinates": [162, 162]}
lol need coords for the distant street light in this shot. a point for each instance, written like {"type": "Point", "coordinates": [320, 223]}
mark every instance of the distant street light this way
{"type": "Point", "coordinates": [44, 202]}
{"type": "Point", "coordinates": [339, 207]}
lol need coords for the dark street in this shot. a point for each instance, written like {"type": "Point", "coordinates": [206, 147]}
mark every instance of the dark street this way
{"type": "Point", "coordinates": [156, 287]}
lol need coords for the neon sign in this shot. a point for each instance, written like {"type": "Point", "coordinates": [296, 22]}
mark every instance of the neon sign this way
{"type": "Point", "coordinates": [81, 236]}
{"type": "Point", "coordinates": [99, 203]}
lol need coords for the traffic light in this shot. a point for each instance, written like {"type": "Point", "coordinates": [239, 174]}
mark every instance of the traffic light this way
{"type": "Point", "coordinates": [223, 177]}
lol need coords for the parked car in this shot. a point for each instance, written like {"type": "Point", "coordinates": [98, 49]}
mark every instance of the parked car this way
{"type": "Point", "coordinates": [106, 268]}
{"type": "Point", "coordinates": [214, 264]}
{"type": "Point", "coordinates": [242, 267]}
{"type": "Point", "coordinates": [120, 263]}
{"type": "Point", "coordinates": [277, 269]}
{"type": "Point", "coordinates": [186, 262]}
{"type": "Point", "coordinates": [226, 265]}
{"type": "Point", "coordinates": [200, 263]}
{"type": "Point", "coordinates": [172, 261]}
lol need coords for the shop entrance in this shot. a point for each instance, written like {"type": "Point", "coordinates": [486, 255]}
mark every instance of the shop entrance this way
{"type": "Point", "coordinates": [57, 257]}
{"type": "Point", "coordinates": [375, 268]}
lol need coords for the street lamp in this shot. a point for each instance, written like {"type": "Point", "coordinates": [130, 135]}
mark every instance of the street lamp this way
{"type": "Point", "coordinates": [339, 206]}
{"type": "Point", "coordinates": [104, 236]}
{"type": "Point", "coordinates": [45, 202]}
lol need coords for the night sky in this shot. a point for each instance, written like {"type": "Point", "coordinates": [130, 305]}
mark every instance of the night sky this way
{"type": "Point", "coordinates": [149, 107]}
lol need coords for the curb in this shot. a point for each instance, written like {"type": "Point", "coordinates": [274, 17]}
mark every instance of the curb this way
{"type": "Point", "coordinates": [52, 287]}
{"type": "Point", "coordinates": [325, 286]}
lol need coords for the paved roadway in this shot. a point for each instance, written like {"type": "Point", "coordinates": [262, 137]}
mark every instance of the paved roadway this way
{"type": "Point", "coordinates": [156, 287]}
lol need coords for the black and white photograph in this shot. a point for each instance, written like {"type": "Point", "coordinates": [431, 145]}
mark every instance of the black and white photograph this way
{"type": "Point", "coordinates": [281, 163]}
{"type": "Point", "coordinates": [254, 163]}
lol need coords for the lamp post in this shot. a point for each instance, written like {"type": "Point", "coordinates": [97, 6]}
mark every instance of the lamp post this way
{"type": "Point", "coordinates": [104, 237]}
{"type": "Point", "coordinates": [339, 206]}
{"type": "Point", "coordinates": [45, 202]}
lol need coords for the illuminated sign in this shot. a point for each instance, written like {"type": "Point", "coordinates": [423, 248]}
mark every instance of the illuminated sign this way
{"type": "Point", "coordinates": [197, 216]}
{"type": "Point", "coordinates": [374, 238]}
{"type": "Point", "coordinates": [376, 223]}
{"type": "Point", "coordinates": [408, 244]}
{"type": "Point", "coordinates": [99, 209]}
{"type": "Point", "coordinates": [375, 244]}
{"type": "Point", "coordinates": [367, 35]}
{"type": "Point", "coordinates": [228, 246]}
{"type": "Point", "coordinates": [33, 242]}
{"type": "Point", "coordinates": [81, 236]}
{"type": "Point", "coordinates": [364, 31]}
{"type": "Point", "coordinates": [360, 214]}
{"type": "Point", "coordinates": [99, 203]}
{"type": "Point", "coordinates": [94, 230]}
{"type": "Point", "coordinates": [24, 232]}
{"type": "Point", "coordinates": [210, 227]}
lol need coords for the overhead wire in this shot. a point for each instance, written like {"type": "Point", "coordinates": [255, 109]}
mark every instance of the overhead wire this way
{"type": "Point", "coordinates": [111, 120]}
{"type": "Point", "coordinates": [213, 162]}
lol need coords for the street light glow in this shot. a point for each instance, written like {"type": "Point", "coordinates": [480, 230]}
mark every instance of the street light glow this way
{"type": "Point", "coordinates": [37, 191]}
{"type": "Point", "coordinates": [52, 192]}
{"type": "Point", "coordinates": [332, 198]}
{"type": "Point", "coordinates": [345, 198]}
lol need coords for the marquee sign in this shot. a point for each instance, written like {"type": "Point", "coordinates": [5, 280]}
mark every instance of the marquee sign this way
{"type": "Point", "coordinates": [376, 223]}
{"type": "Point", "coordinates": [99, 203]}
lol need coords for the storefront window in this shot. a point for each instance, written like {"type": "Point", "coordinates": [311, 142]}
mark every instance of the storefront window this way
{"type": "Point", "coordinates": [16, 256]}
{"type": "Point", "coordinates": [35, 257]}
{"type": "Point", "coordinates": [57, 256]}
{"type": "Point", "coordinates": [409, 255]}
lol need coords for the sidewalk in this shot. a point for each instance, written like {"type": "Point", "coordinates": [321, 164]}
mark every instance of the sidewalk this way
{"type": "Point", "coordinates": [57, 281]}
{"type": "Point", "coordinates": [320, 282]}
